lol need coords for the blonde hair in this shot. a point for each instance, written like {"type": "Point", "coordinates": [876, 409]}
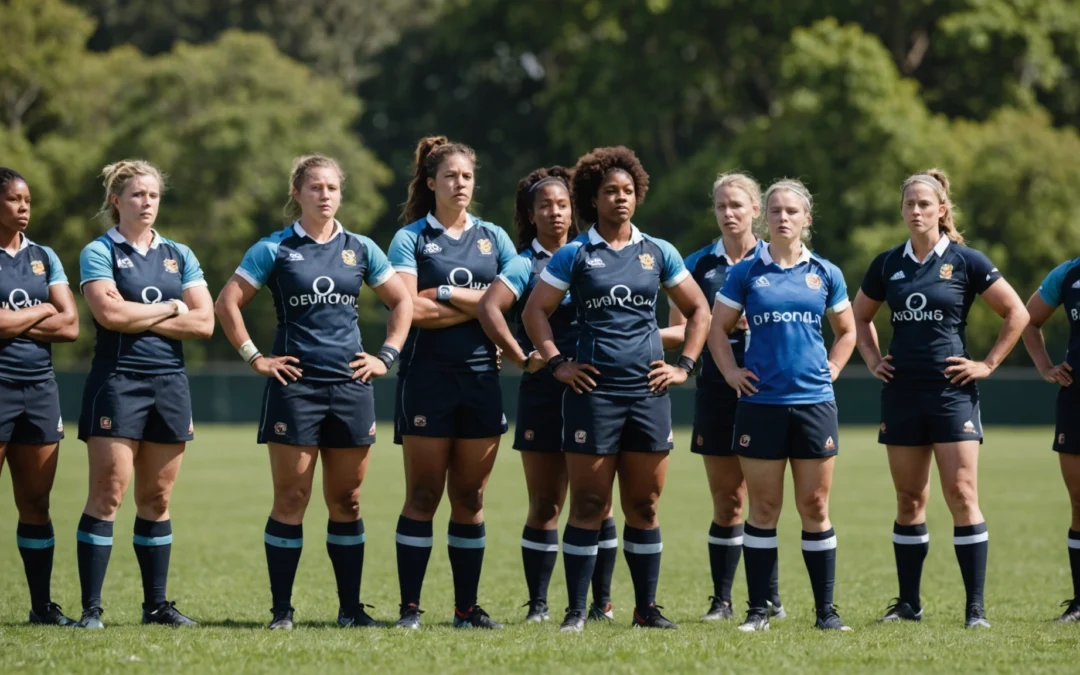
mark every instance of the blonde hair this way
{"type": "Point", "coordinates": [116, 179]}
{"type": "Point", "coordinates": [797, 188]}
{"type": "Point", "coordinates": [939, 183]}
{"type": "Point", "coordinates": [298, 174]}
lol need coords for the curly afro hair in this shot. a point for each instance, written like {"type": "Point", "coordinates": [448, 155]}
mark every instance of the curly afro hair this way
{"type": "Point", "coordinates": [593, 167]}
{"type": "Point", "coordinates": [526, 196]}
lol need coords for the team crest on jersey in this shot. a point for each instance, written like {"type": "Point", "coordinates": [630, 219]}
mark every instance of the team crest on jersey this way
{"type": "Point", "coordinates": [484, 245]}
{"type": "Point", "coordinates": [830, 444]}
{"type": "Point", "coordinates": [530, 434]}
{"type": "Point", "coordinates": [744, 440]}
{"type": "Point", "coordinates": [419, 421]}
{"type": "Point", "coordinates": [580, 436]}
{"type": "Point", "coordinates": [125, 263]}
{"type": "Point", "coordinates": [170, 266]}
{"type": "Point", "coordinates": [348, 257]}
{"type": "Point", "coordinates": [37, 267]}
{"type": "Point", "coordinates": [1061, 439]}
{"type": "Point", "coordinates": [813, 282]}
{"type": "Point", "coordinates": [946, 271]}
{"type": "Point", "coordinates": [280, 428]}
{"type": "Point", "coordinates": [761, 282]}
{"type": "Point", "coordinates": [647, 262]}
{"type": "Point", "coordinates": [105, 423]}
{"type": "Point", "coordinates": [700, 440]}
{"type": "Point", "coordinates": [969, 427]}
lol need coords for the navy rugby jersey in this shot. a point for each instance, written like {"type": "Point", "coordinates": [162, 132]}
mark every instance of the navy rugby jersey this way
{"type": "Point", "coordinates": [929, 304]}
{"type": "Point", "coordinates": [709, 267]}
{"type": "Point", "coordinates": [1062, 287]}
{"type": "Point", "coordinates": [474, 260]}
{"type": "Point", "coordinates": [158, 274]}
{"type": "Point", "coordinates": [520, 276]}
{"type": "Point", "coordinates": [315, 286]}
{"type": "Point", "coordinates": [25, 279]}
{"type": "Point", "coordinates": [614, 294]}
{"type": "Point", "coordinates": [785, 308]}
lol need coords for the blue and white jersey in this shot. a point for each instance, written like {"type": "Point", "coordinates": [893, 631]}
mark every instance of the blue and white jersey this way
{"type": "Point", "coordinates": [1062, 287]}
{"type": "Point", "coordinates": [520, 276]}
{"type": "Point", "coordinates": [158, 274]}
{"type": "Point", "coordinates": [474, 260]}
{"type": "Point", "coordinates": [614, 293]}
{"type": "Point", "coordinates": [25, 279]}
{"type": "Point", "coordinates": [709, 267]}
{"type": "Point", "coordinates": [929, 304]}
{"type": "Point", "coordinates": [785, 308]}
{"type": "Point", "coordinates": [315, 286]}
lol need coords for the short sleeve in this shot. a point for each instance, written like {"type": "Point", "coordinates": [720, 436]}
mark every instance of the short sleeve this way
{"type": "Point", "coordinates": [672, 270]}
{"type": "Point", "coordinates": [691, 261]}
{"type": "Point", "coordinates": [559, 270]}
{"type": "Point", "coordinates": [873, 284]}
{"type": "Point", "coordinates": [402, 254]}
{"type": "Point", "coordinates": [733, 293]}
{"type": "Point", "coordinates": [95, 263]}
{"type": "Point", "coordinates": [507, 252]}
{"type": "Point", "coordinates": [838, 297]}
{"type": "Point", "coordinates": [981, 272]}
{"type": "Point", "coordinates": [516, 274]}
{"type": "Point", "coordinates": [56, 268]}
{"type": "Point", "coordinates": [193, 274]}
{"type": "Point", "coordinates": [1052, 287]}
{"type": "Point", "coordinates": [258, 263]}
{"type": "Point", "coordinates": [379, 270]}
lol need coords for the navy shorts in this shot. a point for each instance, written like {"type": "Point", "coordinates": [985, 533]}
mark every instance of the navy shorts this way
{"type": "Point", "coordinates": [439, 404]}
{"type": "Point", "coordinates": [1067, 429]}
{"type": "Point", "coordinates": [807, 431]}
{"type": "Point", "coordinates": [321, 414]}
{"type": "Point", "coordinates": [917, 417]}
{"type": "Point", "coordinates": [601, 424]}
{"type": "Point", "coordinates": [154, 408]}
{"type": "Point", "coordinates": [30, 412]}
{"type": "Point", "coordinates": [539, 425]}
{"type": "Point", "coordinates": [714, 420]}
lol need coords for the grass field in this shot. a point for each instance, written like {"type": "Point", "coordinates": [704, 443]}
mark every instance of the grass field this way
{"type": "Point", "coordinates": [219, 577]}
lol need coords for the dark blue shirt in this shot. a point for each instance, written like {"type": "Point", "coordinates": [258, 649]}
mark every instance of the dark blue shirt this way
{"type": "Point", "coordinates": [474, 260]}
{"type": "Point", "coordinates": [929, 304]}
{"type": "Point", "coordinates": [614, 293]}
{"type": "Point", "coordinates": [25, 279]}
{"type": "Point", "coordinates": [159, 274]}
{"type": "Point", "coordinates": [1062, 287]}
{"type": "Point", "coordinates": [315, 286]}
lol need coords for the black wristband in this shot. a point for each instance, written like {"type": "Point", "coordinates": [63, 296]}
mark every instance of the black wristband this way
{"type": "Point", "coordinates": [555, 361]}
{"type": "Point", "coordinates": [686, 363]}
{"type": "Point", "coordinates": [388, 355]}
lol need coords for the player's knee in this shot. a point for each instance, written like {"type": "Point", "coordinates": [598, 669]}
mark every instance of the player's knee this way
{"type": "Point", "coordinates": [765, 511]}
{"type": "Point", "coordinates": [643, 512]}
{"type": "Point", "coordinates": [728, 506]}
{"type": "Point", "coordinates": [961, 496]}
{"type": "Point", "coordinates": [544, 507]}
{"type": "Point", "coordinates": [33, 509]}
{"type": "Point", "coordinates": [469, 500]}
{"type": "Point", "coordinates": [814, 507]}
{"type": "Point", "coordinates": [424, 499]}
{"type": "Point", "coordinates": [152, 505]}
{"type": "Point", "coordinates": [588, 506]}
{"type": "Point", "coordinates": [292, 501]}
{"type": "Point", "coordinates": [910, 506]}
{"type": "Point", "coordinates": [345, 506]}
{"type": "Point", "coordinates": [105, 501]}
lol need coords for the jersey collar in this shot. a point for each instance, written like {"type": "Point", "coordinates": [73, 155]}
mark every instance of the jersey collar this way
{"type": "Point", "coordinates": [596, 240]}
{"type": "Point", "coordinates": [433, 222]}
{"type": "Point", "coordinates": [767, 258]}
{"type": "Point", "coordinates": [720, 252]}
{"type": "Point", "coordinates": [939, 248]}
{"type": "Point", "coordinates": [118, 238]}
{"type": "Point", "coordinates": [338, 229]}
{"type": "Point", "coordinates": [23, 243]}
{"type": "Point", "coordinates": [538, 248]}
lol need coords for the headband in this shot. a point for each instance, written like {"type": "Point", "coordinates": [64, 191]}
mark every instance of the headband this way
{"type": "Point", "coordinates": [927, 179]}
{"type": "Point", "coordinates": [547, 180]}
{"type": "Point", "coordinates": [792, 187]}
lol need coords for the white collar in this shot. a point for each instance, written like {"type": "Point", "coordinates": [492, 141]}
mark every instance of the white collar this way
{"type": "Point", "coordinates": [25, 241]}
{"type": "Point", "coordinates": [767, 258]}
{"type": "Point", "coordinates": [432, 221]}
{"type": "Point", "coordinates": [939, 248]}
{"type": "Point", "coordinates": [338, 229]}
{"type": "Point", "coordinates": [635, 236]}
{"type": "Point", "coordinates": [115, 235]}
{"type": "Point", "coordinates": [537, 247]}
{"type": "Point", "coordinates": [720, 252]}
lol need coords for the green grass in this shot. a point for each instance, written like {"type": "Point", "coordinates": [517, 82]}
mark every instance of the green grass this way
{"type": "Point", "coordinates": [219, 577]}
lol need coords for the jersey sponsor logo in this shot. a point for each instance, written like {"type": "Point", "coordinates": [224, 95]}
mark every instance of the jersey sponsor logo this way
{"type": "Point", "coordinates": [580, 436]}
{"type": "Point", "coordinates": [761, 282]}
{"type": "Point", "coordinates": [151, 295]}
{"type": "Point", "coordinates": [170, 266]}
{"type": "Point", "coordinates": [946, 271]}
{"type": "Point", "coordinates": [105, 423]}
{"type": "Point", "coordinates": [295, 257]}
{"type": "Point", "coordinates": [620, 295]}
{"type": "Point", "coordinates": [419, 421]}
{"type": "Point", "coordinates": [431, 248]}
{"type": "Point", "coordinates": [462, 277]}
{"type": "Point", "coordinates": [18, 298]}
{"type": "Point", "coordinates": [786, 317]}
{"type": "Point", "coordinates": [646, 260]}
{"type": "Point", "coordinates": [744, 440]}
{"type": "Point", "coordinates": [969, 427]}
{"type": "Point", "coordinates": [813, 282]}
{"type": "Point", "coordinates": [593, 263]}
{"type": "Point", "coordinates": [280, 428]}
{"type": "Point", "coordinates": [124, 263]}
{"type": "Point", "coordinates": [830, 444]}
{"type": "Point", "coordinates": [348, 256]}
{"type": "Point", "coordinates": [322, 294]}
{"type": "Point", "coordinates": [37, 267]}
{"type": "Point", "coordinates": [916, 310]}
{"type": "Point", "coordinates": [484, 245]}
{"type": "Point", "coordinates": [530, 434]}
{"type": "Point", "coordinates": [1075, 314]}
{"type": "Point", "coordinates": [898, 276]}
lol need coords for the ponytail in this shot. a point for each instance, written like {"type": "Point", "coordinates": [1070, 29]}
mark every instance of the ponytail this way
{"type": "Point", "coordinates": [939, 183]}
{"type": "Point", "coordinates": [430, 153]}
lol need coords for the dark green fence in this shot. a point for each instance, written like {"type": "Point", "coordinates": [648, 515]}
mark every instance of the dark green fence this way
{"type": "Point", "coordinates": [227, 394]}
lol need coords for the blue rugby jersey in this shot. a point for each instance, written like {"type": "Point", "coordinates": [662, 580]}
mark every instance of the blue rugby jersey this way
{"type": "Point", "coordinates": [1062, 287]}
{"type": "Point", "coordinates": [929, 304]}
{"type": "Point", "coordinates": [315, 286]}
{"type": "Point", "coordinates": [785, 308]}
{"type": "Point", "coordinates": [158, 274]}
{"type": "Point", "coordinates": [25, 279]}
{"type": "Point", "coordinates": [709, 267]}
{"type": "Point", "coordinates": [614, 294]}
{"type": "Point", "coordinates": [520, 276]}
{"type": "Point", "coordinates": [474, 260]}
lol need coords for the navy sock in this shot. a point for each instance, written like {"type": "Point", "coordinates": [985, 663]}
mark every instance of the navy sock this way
{"type": "Point", "coordinates": [36, 546]}
{"type": "Point", "coordinates": [642, 551]}
{"type": "Point", "coordinates": [606, 553]}
{"type": "Point", "coordinates": [414, 539]}
{"type": "Point", "coordinates": [819, 554]}
{"type": "Point", "coordinates": [95, 538]}
{"type": "Point", "coordinates": [1074, 560]}
{"type": "Point", "coordinates": [465, 545]}
{"type": "Point", "coordinates": [345, 546]}
{"type": "Point", "coordinates": [759, 548]}
{"type": "Point", "coordinates": [972, 543]}
{"type": "Point", "coordinates": [284, 544]}
{"type": "Point", "coordinates": [153, 547]}
{"type": "Point", "coordinates": [539, 550]}
{"type": "Point", "coordinates": [725, 549]}
{"type": "Point", "coordinates": [911, 544]}
{"type": "Point", "coordinates": [579, 560]}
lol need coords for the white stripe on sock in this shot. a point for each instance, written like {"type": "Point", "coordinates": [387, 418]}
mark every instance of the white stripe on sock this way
{"type": "Point", "coordinates": [642, 549]}
{"type": "Point", "coordinates": [819, 544]}
{"type": "Point", "coordinates": [570, 549]}
{"type": "Point", "coordinates": [734, 541]}
{"type": "Point", "coordinates": [750, 541]}
{"type": "Point", "coordinates": [1074, 543]}
{"type": "Point", "coordinates": [910, 538]}
{"type": "Point", "coordinates": [539, 546]}
{"type": "Point", "coordinates": [608, 543]}
{"type": "Point", "coordinates": [971, 539]}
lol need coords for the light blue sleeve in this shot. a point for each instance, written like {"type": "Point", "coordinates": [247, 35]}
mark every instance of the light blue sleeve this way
{"type": "Point", "coordinates": [258, 262]}
{"type": "Point", "coordinates": [1051, 287]}
{"type": "Point", "coordinates": [402, 252]}
{"type": "Point", "coordinates": [672, 269]}
{"type": "Point", "coordinates": [838, 296]}
{"type": "Point", "coordinates": [379, 270]}
{"type": "Point", "coordinates": [733, 293]}
{"type": "Point", "coordinates": [56, 268]}
{"type": "Point", "coordinates": [558, 272]}
{"type": "Point", "coordinates": [95, 262]}
{"type": "Point", "coordinates": [516, 274]}
{"type": "Point", "coordinates": [193, 274]}
{"type": "Point", "coordinates": [507, 251]}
